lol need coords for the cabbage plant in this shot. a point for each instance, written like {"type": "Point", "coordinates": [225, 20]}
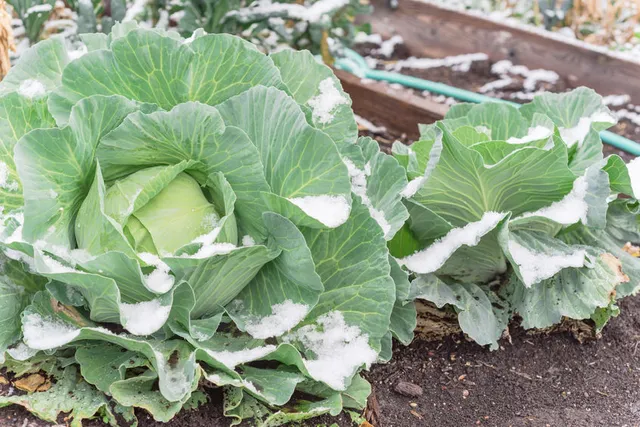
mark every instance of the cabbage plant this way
{"type": "Point", "coordinates": [187, 211]}
{"type": "Point", "coordinates": [516, 212]}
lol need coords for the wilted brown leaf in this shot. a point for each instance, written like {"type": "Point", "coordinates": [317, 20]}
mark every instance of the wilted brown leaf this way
{"type": "Point", "coordinates": [33, 383]}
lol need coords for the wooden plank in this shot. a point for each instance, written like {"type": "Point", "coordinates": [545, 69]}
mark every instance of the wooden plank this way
{"type": "Point", "coordinates": [432, 31]}
{"type": "Point", "coordinates": [398, 109]}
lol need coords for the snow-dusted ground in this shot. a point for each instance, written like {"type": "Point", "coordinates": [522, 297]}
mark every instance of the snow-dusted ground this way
{"type": "Point", "coordinates": [521, 14]}
{"type": "Point", "coordinates": [507, 75]}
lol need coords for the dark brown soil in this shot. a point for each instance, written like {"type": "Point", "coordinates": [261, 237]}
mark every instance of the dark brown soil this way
{"type": "Point", "coordinates": [537, 380]}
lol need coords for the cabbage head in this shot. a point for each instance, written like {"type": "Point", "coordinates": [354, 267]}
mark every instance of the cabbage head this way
{"type": "Point", "coordinates": [516, 212]}
{"type": "Point", "coordinates": [188, 211]}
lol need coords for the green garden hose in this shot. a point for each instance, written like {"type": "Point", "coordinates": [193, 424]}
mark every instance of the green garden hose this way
{"type": "Point", "coordinates": [355, 64]}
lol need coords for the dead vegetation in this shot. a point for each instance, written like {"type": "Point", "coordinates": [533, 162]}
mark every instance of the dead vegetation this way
{"type": "Point", "coordinates": [6, 39]}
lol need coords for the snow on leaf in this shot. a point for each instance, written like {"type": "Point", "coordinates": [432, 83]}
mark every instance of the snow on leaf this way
{"type": "Point", "coordinates": [159, 280]}
{"type": "Point", "coordinates": [339, 349]}
{"type": "Point", "coordinates": [434, 256]}
{"type": "Point", "coordinates": [327, 101]}
{"type": "Point", "coordinates": [359, 187]}
{"type": "Point", "coordinates": [46, 333]}
{"type": "Point", "coordinates": [571, 209]}
{"type": "Point", "coordinates": [537, 266]}
{"type": "Point", "coordinates": [577, 134]}
{"type": "Point", "coordinates": [5, 182]}
{"type": "Point", "coordinates": [231, 359]}
{"type": "Point", "coordinates": [331, 211]}
{"type": "Point", "coordinates": [535, 133]}
{"type": "Point", "coordinates": [283, 317]}
{"type": "Point", "coordinates": [633, 167]}
{"type": "Point", "coordinates": [247, 240]}
{"type": "Point", "coordinates": [144, 318]}
{"type": "Point", "coordinates": [413, 186]}
{"type": "Point", "coordinates": [32, 88]}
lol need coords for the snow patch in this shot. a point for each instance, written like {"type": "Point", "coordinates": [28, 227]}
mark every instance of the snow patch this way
{"type": "Point", "coordinates": [633, 167]}
{"type": "Point", "coordinates": [361, 121]}
{"type": "Point", "coordinates": [144, 318]}
{"type": "Point", "coordinates": [533, 134]}
{"type": "Point", "coordinates": [362, 37]}
{"type": "Point", "coordinates": [577, 133]}
{"type": "Point", "coordinates": [538, 266]}
{"type": "Point", "coordinates": [248, 241]}
{"type": "Point", "coordinates": [56, 267]}
{"type": "Point", "coordinates": [413, 186]}
{"type": "Point", "coordinates": [32, 89]}
{"type": "Point", "coordinates": [433, 257]}
{"type": "Point", "coordinates": [21, 352]}
{"type": "Point", "coordinates": [324, 104]}
{"type": "Point", "coordinates": [331, 211]}
{"type": "Point", "coordinates": [314, 13]}
{"type": "Point", "coordinates": [339, 349]}
{"type": "Point", "coordinates": [571, 209]}
{"type": "Point", "coordinates": [616, 100]}
{"type": "Point", "coordinates": [283, 317]}
{"type": "Point", "coordinates": [458, 63]}
{"type": "Point", "coordinates": [39, 8]}
{"type": "Point", "coordinates": [505, 68]}
{"type": "Point", "coordinates": [209, 248]}
{"type": "Point", "coordinates": [5, 181]}
{"type": "Point", "coordinates": [46, 333]}
{"type": "Point", "coordinates": [231, 359]}
{"type": "Point", "coordinates": [137, 8]}
{"type": "Point", "coordinates": [387, 47]}
{"type": "Point", "coordinates": [359, 187]}
{"type": "Point", "coordinates": [159, 280]}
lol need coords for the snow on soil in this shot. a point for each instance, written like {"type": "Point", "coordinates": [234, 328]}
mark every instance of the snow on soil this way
{"type": "Point", "coordinates": [457, 63]}
{"type": "Point", "coordinates": [505, 69]}
{"type": "Point", "coordinates": [504, 18]}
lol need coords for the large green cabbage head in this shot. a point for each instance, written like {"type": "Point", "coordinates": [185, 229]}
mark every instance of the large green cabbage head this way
{"type": "Point", "coordinates": [185, 208]}
{"type": "Point", "coordinates": [516, 211]}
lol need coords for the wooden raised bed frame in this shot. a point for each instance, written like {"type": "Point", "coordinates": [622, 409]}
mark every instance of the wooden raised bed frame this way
{"type": "Point", "coordinates": [432, 31]}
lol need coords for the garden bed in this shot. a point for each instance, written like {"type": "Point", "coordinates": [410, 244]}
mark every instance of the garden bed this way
{"type": "Point", "coordinates": [542, 378]}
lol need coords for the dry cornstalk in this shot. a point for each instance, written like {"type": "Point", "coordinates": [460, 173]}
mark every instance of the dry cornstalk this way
{"type": "Point", "coordinates": [607, 15]}
{"type": "Point", "coordinates": [6, 39]}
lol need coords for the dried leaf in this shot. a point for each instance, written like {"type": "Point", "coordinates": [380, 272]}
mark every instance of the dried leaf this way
{"type": "Point", "coordinates": [33, 383]}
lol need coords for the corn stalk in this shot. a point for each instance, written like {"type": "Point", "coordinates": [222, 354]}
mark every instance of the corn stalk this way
{"type": "Point", "coordinates": [616, 19]}
{"type": "Point", "coordinates": [6, 39]}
